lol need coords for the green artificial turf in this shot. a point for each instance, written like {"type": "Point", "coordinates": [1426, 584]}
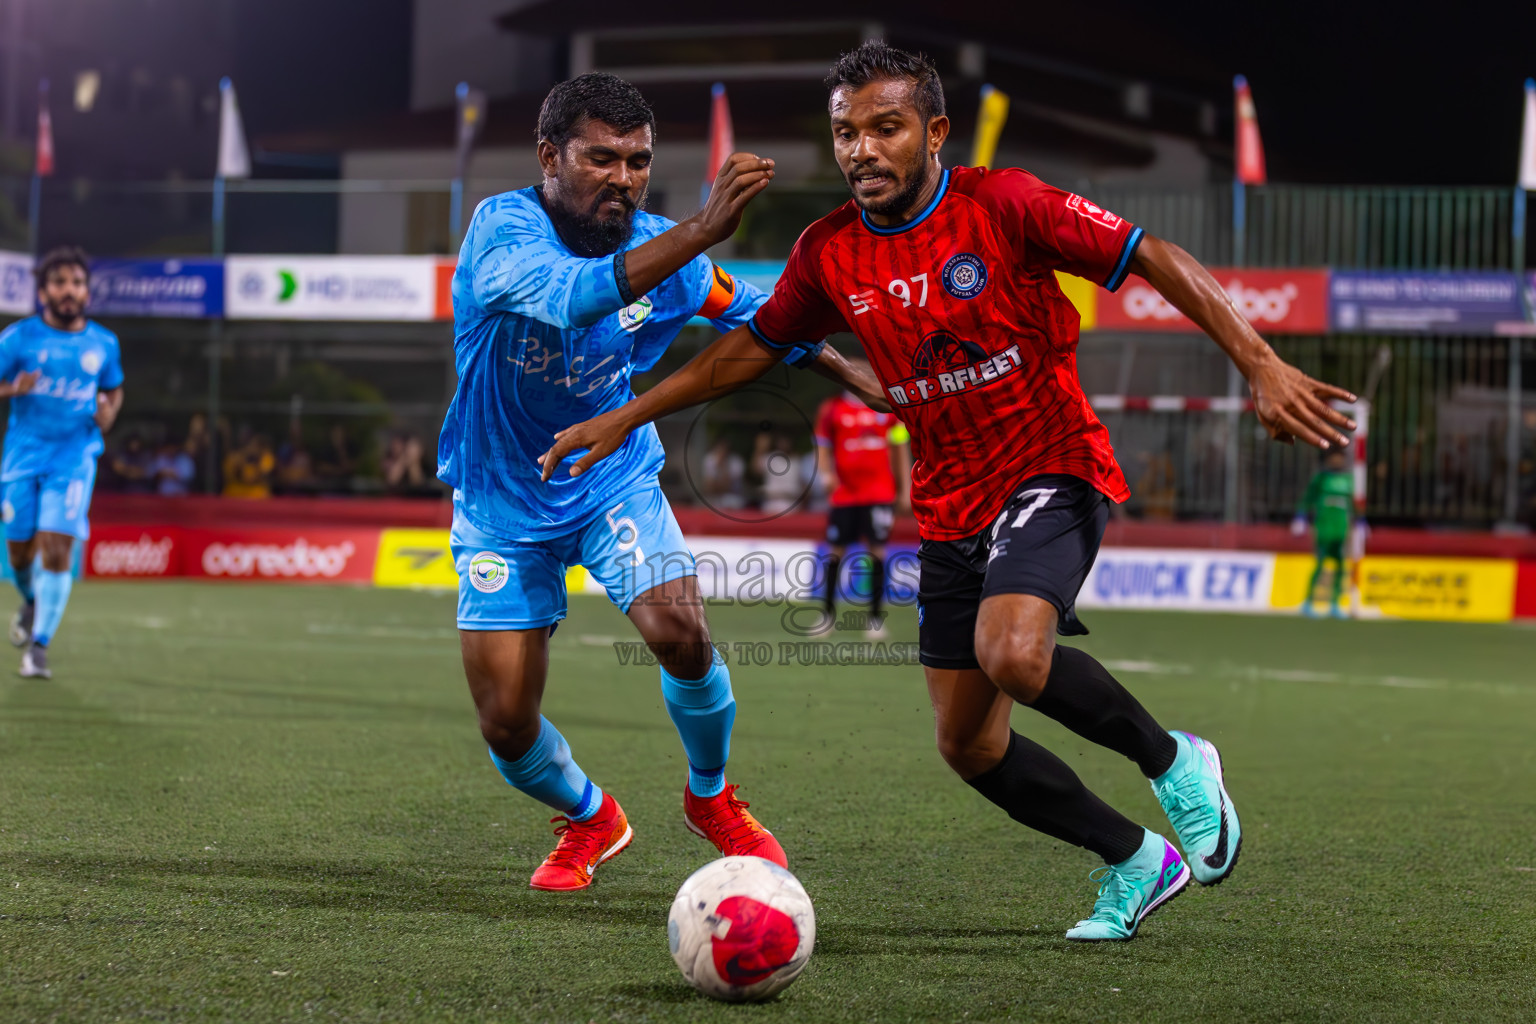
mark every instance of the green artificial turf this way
{"type": "Point", "coordinates": [264, 803]}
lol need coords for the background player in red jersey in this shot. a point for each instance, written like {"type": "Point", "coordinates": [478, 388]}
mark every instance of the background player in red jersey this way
{"type": "Point", "coordinates": [947, 278]}
{"type": "Point", "coordinates": [866, 463]}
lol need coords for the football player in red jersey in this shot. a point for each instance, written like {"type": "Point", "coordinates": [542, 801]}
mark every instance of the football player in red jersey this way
{"type": "Point", "coordinates": [864, 459]}
{"type": "Point", "coordinates": [947, 278]}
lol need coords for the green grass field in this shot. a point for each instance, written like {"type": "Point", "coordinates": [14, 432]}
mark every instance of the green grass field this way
{"type": "Point", "coordinates": [271, 803]}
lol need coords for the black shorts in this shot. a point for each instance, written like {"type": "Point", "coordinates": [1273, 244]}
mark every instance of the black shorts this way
{"type": "Point", "coordinates": [1043, 543]}
{"type": "Point", "coordinates": [849, 524]}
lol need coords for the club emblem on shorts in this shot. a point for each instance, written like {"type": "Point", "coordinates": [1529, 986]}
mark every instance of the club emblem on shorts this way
{"type": "Point", "coordinates": [488, 572]}
{"type": "Point", "coordinates": [90, 360]}
{"type": "Point", "coordinates": [8, 512]}
{"type": "Point", "coordinates": [632, 316]}
{"type": "Point", "coordinates": [965, 276]}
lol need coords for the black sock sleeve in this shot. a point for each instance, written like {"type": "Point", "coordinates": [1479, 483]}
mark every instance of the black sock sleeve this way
{"type": "Point", "coordinates": [1037, 789]}
{"type": "Point", "coordinates": [876, 585]}
{"type": "Point", "coordinates": [834, 565]}
{"type": "Point", "coordinates": [1082, 695]}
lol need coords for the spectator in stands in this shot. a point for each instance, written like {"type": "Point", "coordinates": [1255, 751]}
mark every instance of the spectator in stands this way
{"type": "Point", "coordinates": [1157, 486]}
{"type": "Point", "coordinates": [724, 477]}
{"type": "Point", "coordinates": [296, 470]}
{"type": "Point", "coordinates": [132, 467]}
{"type": "Point", "coordinates": [173, 470]}
{"type": "Point", "coordinates": [402, 465]}
{"type": "Point", "coordinates": [337, 465]}
{"type": "Point", "coordinates": [248, 469]}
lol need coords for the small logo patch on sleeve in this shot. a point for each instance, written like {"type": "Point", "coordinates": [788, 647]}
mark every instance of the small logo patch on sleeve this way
{"type": "Point", "coordinates": [1083, 208]}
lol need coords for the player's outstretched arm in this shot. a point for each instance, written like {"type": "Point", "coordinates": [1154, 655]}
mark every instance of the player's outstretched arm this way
{"type": "Point", "coordinates": [733, 361]}
{"type": "Point", "coordinates": [855, 376]}
{"type": "Point", "coordinates": [23, 383]}
{"type": "Point", "coordinates": [1287, 402]}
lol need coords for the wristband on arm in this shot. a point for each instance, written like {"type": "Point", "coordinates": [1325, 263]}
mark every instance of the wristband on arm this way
{"type": "Point", "coordinates": [621, 278]}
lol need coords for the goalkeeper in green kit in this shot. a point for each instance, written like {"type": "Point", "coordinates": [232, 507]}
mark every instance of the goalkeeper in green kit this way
{"type": "Point", "coordinates": [1330, 501]}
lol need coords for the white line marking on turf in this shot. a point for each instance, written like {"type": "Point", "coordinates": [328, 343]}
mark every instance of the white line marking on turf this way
{"type": "Point", "coordinates": [1148, 667]}
{"type": "Point", "coordinates": [593, 640]}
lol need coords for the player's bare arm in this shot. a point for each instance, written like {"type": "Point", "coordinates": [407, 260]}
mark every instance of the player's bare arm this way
{"type": "Point", "coordinates": [743, 177]}
{"type": "Point", "coordinates": [733, 361]}
{"type": "Point", "coordinates": [855, 375]}
{"type": "Point", "coordinates": [108, 405]}
{"type": "Point", "coordinates": [1288, 403]}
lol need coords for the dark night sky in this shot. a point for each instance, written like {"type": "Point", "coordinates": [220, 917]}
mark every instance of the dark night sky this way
{"type": "Point", "coordinates": [1346, 92]}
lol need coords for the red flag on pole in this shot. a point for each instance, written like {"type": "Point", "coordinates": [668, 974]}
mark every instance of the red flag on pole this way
{"type": "Point", "coordinates": [1250, 148]}
{"type": "Point", "coordinates": [44, 165]}
{"type": "Point", "coordinates": [722, 138]}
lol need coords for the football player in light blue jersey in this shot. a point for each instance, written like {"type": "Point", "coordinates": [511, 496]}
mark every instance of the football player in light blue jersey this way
{"type": "Point", "coordinates": [563, 292]}
{"type": "Point", "coordinates": [64, 376]}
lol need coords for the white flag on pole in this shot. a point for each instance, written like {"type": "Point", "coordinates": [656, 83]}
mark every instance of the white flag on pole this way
{"type": "Point", "coordinates": [1528, 138]}
{"type": "Point", "coordinates": [234, 158]}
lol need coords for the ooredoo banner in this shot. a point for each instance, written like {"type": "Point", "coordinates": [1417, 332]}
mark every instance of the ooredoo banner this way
{"type": "Point", "coordinates": [281, 555]}
{"type": "Point", "coordinates": [132, 552]}
{"type": "Point", "coordinates": [1274, 301]}
{"type": "Point", "coordinates": [330, 287]}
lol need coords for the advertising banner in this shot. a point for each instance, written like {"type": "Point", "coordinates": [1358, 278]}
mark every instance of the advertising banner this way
{"type": "Point", "coordinates": [330, 287]}
{"type": "Point", "coordinates": [317, 555]}
{"type": "Point", "coordinates": [119, 552]}
{"type": "Point", "coordinates": [1417, 587]}
{"type": "Point", "coordinates": [170, 288]}
{"type": "Point", "coordinates": [1274, 301]}
{"type": "Point", "coordinates": [1195, 580]}
{"type": "Point", "coordinates": [442, 302]}
{"type": "Point", "coordinates": [1387, 302]}
{"type": "Point", "coordinates": [18, 292]}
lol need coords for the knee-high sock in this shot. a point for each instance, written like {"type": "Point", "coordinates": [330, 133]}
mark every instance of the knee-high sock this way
{"type": "Point", "coordinates": [876, 585]}
{"type": "Point", "coordinates": [834, 564]}
{"type": "Point", "coordinates": [1317, 574]}
{"type": "Point", "coordinates": [23, 577]}
{"type": "Point", "coordinates": [52, 596]}
{"type": "Point", "coordinates": [1037, 789]}
{"type": "Point", "coordinates": [549, 775]}
{"type": "Point", "coordinates": [703, 711]}
{"type": "Point", "coordinates": [1082, 695]}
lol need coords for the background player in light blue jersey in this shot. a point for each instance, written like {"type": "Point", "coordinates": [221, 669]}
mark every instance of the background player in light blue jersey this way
{"type": "Point", "coordinates": [564, 291]}
{"type": "Point", "coordinates": [64, 376]}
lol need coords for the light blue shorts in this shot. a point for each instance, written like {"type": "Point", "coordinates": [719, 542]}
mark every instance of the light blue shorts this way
{"type": "Point", "coordinates": [58, 501]}
{"type": "Point", "coordinates": [633, 546]}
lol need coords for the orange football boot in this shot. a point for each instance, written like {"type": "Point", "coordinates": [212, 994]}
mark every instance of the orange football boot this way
{"type": "Point", "coordinates": [724, 821]}
{"type": "Point", "coordinates": [583, 846]}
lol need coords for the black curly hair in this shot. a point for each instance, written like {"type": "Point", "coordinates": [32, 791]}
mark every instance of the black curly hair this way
{"type": "Point", "coordinates": [595, 96]}
{"type": "Point", "coordinates": [63, 256]}
{"type": "Point", "coordinates": [876, 60]}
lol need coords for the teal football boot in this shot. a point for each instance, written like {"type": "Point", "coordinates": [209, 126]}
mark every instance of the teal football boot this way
{"type": "Point", "coordinates": [1131, 890]}
{"type": "Point", "coordinates": [1196, 802]}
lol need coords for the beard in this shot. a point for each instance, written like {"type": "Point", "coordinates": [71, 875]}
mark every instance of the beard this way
{"type": "Point", "coordinates": [65, 310]}
{"type": "Point", "coordinates": [590, 236]}
{"type": "Point", "coordinates": [902, 200]}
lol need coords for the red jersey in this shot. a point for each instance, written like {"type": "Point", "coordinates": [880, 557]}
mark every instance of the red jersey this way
{"type": "Point", "coordinates": [964, 324]}
{"type": "Point", "coordinates": [861, 451]}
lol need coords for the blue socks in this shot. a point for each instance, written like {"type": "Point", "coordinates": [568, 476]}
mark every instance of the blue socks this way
{"type": "Point", "coordinates": [703, 711]}
{"type": "Point", "coordinates": [23, 577]}
{"type": "Point", "coordinates": [548, 774]}
{"type": "Point", "coordinates": [52, 595]}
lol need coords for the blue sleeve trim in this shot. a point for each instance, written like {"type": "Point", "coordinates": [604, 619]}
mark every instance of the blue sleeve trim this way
{"type": "Point", "coordinates": [777, 346]}
{"type": "Point", "coordinates": [804, 354]}
{"type": "Point", "coordinates": [1124, 266]}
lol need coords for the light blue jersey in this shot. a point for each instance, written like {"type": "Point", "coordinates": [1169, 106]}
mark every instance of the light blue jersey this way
{"type": "Point", "coordinates": [543, 341]}
{"type": "Point", "coordinates": [52, 442]}
{"type": "Point", "coordinates": [54, 425]}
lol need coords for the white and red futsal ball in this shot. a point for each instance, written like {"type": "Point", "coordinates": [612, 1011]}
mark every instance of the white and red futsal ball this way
{"type": "Point", "coordinates": [741, 929]}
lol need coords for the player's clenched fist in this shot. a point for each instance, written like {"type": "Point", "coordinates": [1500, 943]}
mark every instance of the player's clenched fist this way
{"type": "Point", "coordinates": [741, 178]}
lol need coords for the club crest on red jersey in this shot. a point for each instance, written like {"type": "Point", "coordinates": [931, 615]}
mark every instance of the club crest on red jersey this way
{"type": "Point", "coordinates": [965, 275]}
